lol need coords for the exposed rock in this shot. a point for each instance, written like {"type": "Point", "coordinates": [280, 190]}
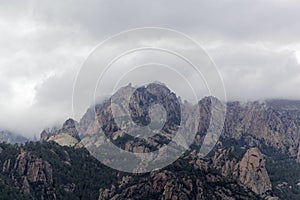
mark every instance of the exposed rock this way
{"type": "Point", "coordinates": [35, 169]}
{"type": "Point", "coordinates": [66, 136]}
{"type": "Point", "coordinates": [264, 123]}
{"type": "Point", "coordinates": [252, 172]}
{"type": "Point", "coordinates": [224, 163]}
{"type": "Point", "coordinates": [6, 165]}
{"type": "Point", "coordinates": [26, 185]}
{"type": "Point", "coordinates": [139, 103]}
{"type": "Point", "coordinates": [63, 139]}
{"type": "Point", "coordinates": [253, 124]}
{"type": "Point", "coordinates": [164, 184]}
{"type": "Point", "coordinates": [36, 174]}
{"type": "Point", "coordinates": [298, 155]}
{"type": "Point", "coordinates": [69, 127]}
{"type": "Point", "coordinates": [44, 135]}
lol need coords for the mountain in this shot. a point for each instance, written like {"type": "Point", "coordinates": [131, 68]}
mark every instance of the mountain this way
{"type": "Point", "coordinates": [66, 136]}
{"type": "Point", "coordinates": [256, 156]}
{"type": "Point", "coordinates": [9, 137]}
{"type": "Point", "coordinates": [272, 127]}
{"type": "Point", "coordinates": [50, 171]}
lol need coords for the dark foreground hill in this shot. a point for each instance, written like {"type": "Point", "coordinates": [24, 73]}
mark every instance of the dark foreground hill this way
{"type": "Point", "coordinates": [50, 171]}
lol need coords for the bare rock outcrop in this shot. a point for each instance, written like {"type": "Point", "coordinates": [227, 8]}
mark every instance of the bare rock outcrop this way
{"type": "Point", "coordinates": [298, 155]}
{"type": "Point", "coordinates": [222, 162]}
{"type": "Point", "coordinates": [252, 172]}
{"type": "Point", "coordinates": [44, 135]}
{"type": "Point", "coordinates": [66, 136]}
{"type": "Point", "coordinates": [36, 174]}
{"type": "Point", "coordinates": [269, 123]}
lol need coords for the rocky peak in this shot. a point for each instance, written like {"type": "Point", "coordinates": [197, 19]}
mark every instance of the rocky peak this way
{"type": "Point", "coordinates": [69, 124]}
{"type": "Point", "coordinates": [44, 135]}
{"type": "Point", "coordinates": [139, 101]}
{"type": "Point", "coordinates": [69, 127]}
{"type": "Point", "coordinates": [252, 172]}
{"type": "Point", "coordinates": [66, 136]}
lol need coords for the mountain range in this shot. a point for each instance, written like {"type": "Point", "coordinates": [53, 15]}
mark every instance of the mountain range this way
{"type": "Point", "coordinates": [256, 157]}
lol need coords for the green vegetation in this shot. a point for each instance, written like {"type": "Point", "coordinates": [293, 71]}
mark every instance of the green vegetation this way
{"type": "Point", "coordinates": [77, 175]}
{"type": "Point", "coordinates": [284, 174]}
{"type": "Point", "coordinates": [69, 166]}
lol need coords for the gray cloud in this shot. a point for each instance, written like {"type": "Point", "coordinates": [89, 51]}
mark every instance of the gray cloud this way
{"type": "Point", "coordinates": [255, 72]}
{"type": "Point", "coordinates": [255, 44]}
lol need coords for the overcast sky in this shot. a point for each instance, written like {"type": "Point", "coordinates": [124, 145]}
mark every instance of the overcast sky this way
{"type": "Point", "coordinates": [255, 44]}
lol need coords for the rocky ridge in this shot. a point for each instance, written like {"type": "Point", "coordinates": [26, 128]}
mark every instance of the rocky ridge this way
{"type": "Point", "coordinates": [253, 126]}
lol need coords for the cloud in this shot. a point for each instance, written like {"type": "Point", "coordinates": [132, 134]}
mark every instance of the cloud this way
{"type": "Point", "coordinates": [255, 45]}
{"type": "Point", "coordinates": [254, 72]}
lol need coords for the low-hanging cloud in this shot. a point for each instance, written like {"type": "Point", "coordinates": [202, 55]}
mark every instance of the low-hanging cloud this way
{"type": "Point", "coordinates": [255, 44]}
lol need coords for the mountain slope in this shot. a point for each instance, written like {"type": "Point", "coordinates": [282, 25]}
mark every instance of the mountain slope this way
{"type": "Point", "coordinates": [255, 157]}
{"type": "Point", "coordinates": [50, 171]}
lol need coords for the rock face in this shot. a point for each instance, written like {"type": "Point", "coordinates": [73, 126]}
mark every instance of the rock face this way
{"type": "Point", "coordinates": [35, 169]}
{"type": "Point", "coordinates": [252, 172]}
{"type": "Point", "coordinates": [226, 165]}
{"type": "Point", "coordinates": [270, 123]}
{"type": "Point", "coordinates": [36, 174]}
{"type": "Point", "coordinates": [66, 136]}
{"type": "Point", "coordinates": [167, 185]}
{"type": "Point", "coordinates": [298, 155]}
{"type": "Point", "coordinates": [249, 170]}
{"type": "Point", "coordinates": [69, 127]}
{"type": "Point", "coordinates": [101, 117]}
{"type": "Point", "coordinates": [274, 123]}
{"type": "Point", "coordinates": [194, 182]}
{"type": "Point", "coordinates": [44, 135]}
{"type": "Point", "coordinates": [64, 139]}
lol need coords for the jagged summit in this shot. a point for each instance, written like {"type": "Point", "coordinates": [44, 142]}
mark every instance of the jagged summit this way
{"type": "Point", "coordinates": [66, 136]}
{"type": "Point", "coordinates": [275, 122]}
{"type": "Point", "coordinates": [251, 131]}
